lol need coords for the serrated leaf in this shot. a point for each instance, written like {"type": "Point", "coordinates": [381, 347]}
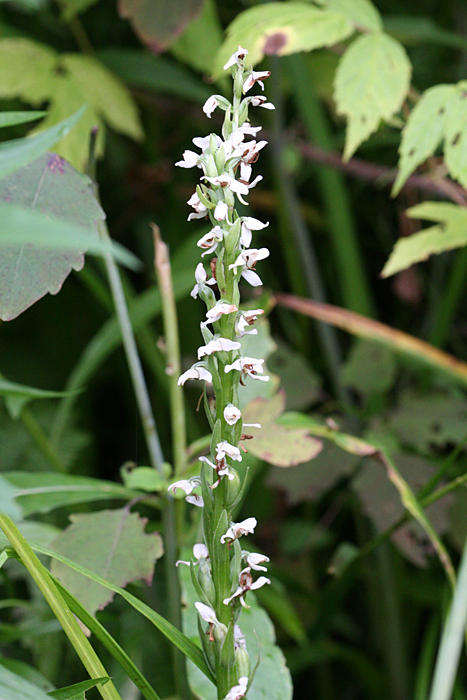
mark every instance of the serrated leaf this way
{"type": "Point", "coordinates": [362, 13]}
{"type": "Point", "coordinates": [272, 678]}
{"type": "Point", "coordinates": [455, 146]}
{"type": "Point", "coordinates": [12, 118]}
{"type": "Point", "coordinates": [158, 22]}
{"type": "Point", "coordinates": [423, 132]}
{"type": "Point", "coordinates": [275, 444]}
{"type": "Point", "coordinates": [282, 29]}
{"type": "Point", "coordinates": [450, 232]}
{"type": "Point", "coordinates": [143, 479]}
{"type": "Point", "coordinates": [27, 70]}
{"type": "Point", "coordinates": [372, 80]}
{"type": "Point", "coordinates": [121, 552]}
{"type": "Point", "coordinates": [51, 186]}
{"type": "Point", "coordinates": [29, 493]}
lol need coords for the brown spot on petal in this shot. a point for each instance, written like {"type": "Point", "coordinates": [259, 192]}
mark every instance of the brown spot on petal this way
{"type": "Point", "coordinates": [274, 43]}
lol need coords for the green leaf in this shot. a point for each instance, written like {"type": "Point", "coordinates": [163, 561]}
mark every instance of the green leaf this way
{"type": "Point", "coordinates": [51, 186]}
{"type": "Point", "coordinates": [27, 672]}
{"type": "Point", "coordinates": [26, 70]}
{"type": "Point", "coordinates": [282, 29]}
{"type": "Point", "coordinates": [121, 552]}
{"type": "Point", "coordinates": [449, 232]}
{"type": "Point", "coordinates": [77, 690]}
{"type": "Point", "coordinates": [19, 152]}
{"type": "Point", "coordinates": [12, 118]}
{"type": "Point", "coordinates": [27, 493]}
{"type": "Point", "coordinates": [372, 80]}
{"type": "Point", "coordinates": [455, 146]}
{"type": "Point", "coordinates": [370, 368]}
{"type": "Point", "coordinates": [412, 30]}
{"type": "Point", "coordinates": [39, 533]}
{"type": "Point", "coordinates": [158, 22]}
{"type": "Point", "coordinates": [201, 40]}
{"type": "Point", "coordinates": [71, 8]}
{"type": "Point", "coordinates": [13, 687]}
{"type": "Point", "coordinates": [143, 479]}
{"type": "Point", "coordinates": [18, 395]}
{"type": "Point", "coordinates": [362, 13]}
{"type": "Point", "coordinates": [423, 132]}
{"type": "Point", "coordinates": [275, 444]}
{"type": "Point", "coordinates": [272, 678]}
{"type": "Point", "coordinates": [301, 384]}
{"type": "Point", "coordinates": [141, 69]}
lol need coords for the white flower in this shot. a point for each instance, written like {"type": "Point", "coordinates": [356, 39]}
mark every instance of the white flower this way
{"type": "Point", "coordinates": [200, 210]}
{"type": "Point", "coordinates": [246, 584]}
{"type": "Point", "coordinates": [248, 259]}
{"type": "Point", "coordinates": [221, 469]}
{"type": "Point", "coordinates": [232, 414]}
{"type": "Point", "coordinates": [225, 180]}
{"type": "Point", "coordinates": [197, 371]}
{"type": "Point", "coordinates": [255, 76]}
{"type": "Point", "coordinates": [204, 142]}
{"type": "Point", "coordinates": [254, 560]}
{"type": "Point", "coordinates": [250, 224]}
{"type": "Point", "coordinates": [221, 211]}
{"type": "Point", "coordinates": [190, 160]}
{"type": "Point", "coordinates": [245, 320]}
{"type": "Point", "coordinates": [186, 485]}
{"type": "Point", "coordinates": [236, 530]}
{"type": "Point", "coordinates": [239, 638]}
{"type": "Point", "coordinates": [210, 240]}
{"type": "Point", "coordinates": [218, 310]}
{"type": "Point", "coordinates": [225, 448]}
{"type": "Point", "coordinates": [210, 105]}
{"type": "Point", "coordinates": [249, 366]}
{"type": "Point", "coordinates": [195, 500]}
{"type": "Point", "coordinates": [200, 551]}
{"type": "Point", "coordinates": [201, 279]}
{"type": "Point", "coordinates": [207, 613]}
{"type": "Point", "coordinates": [251, 151]}
{"type": "Point", "coordinates": [245, 174]}
{"type": "Point", "coordinates": [218, 345]}
{"type": "Point", "coordinates": [238, 691]}
{"type": "Point", "coordinates": [260, 101]}
{"type": "Point", "coordinates": [236, 57]}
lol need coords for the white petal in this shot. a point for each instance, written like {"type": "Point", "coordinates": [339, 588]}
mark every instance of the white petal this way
{"type": "Point", "coordinates": [232, 414]}
{"type": "Point", "coordinates": [221, 211]}
{"type": "Point", "coordinates": [195, 500]}
{"type": "Point", "coordinates": [262, 581]}
{"type": "Point", "coordinates": [207, 613]}
{"type": "Point", "coordinates": [200, 551]}
{"type": "Point", "coordinates": [210, 105]}
{"type": "Point", "coordinates": [252, 278]}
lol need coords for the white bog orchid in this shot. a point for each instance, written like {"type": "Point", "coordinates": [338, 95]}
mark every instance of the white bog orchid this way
{"type": "Point", "coordinates": [200, 551]}
{"type": "Point", "coordinates": [248, 259]}
{"type": "Point", "coordinates": [190, 160]}
{"type": "Point", "coordinates": [207, 613]}
{"type": "Point", "coordinates": [218, 310]}
{"type": "Point", "coordinates": [248, 366]}
{"type": "Point", "coordinates": [254, 560]}
{"type": "Point", "coordinates": [255, 77]}
{"type": "Point", "coordinates": [245, 320]}
{"type": "Point", "coordinates": [200, 210]}
{"type": "Point", "coordinates": [232, 414]}
{"type": "Point", "coordinates": [197, 371]}
{"type": "Point", "coordinates": [260, 101]}
{"type": "Point", "coordinates": [225, 449]}
{"type": "Point", "coordinates": [239, 638]}
{"type": "Point", "coordinates": [210, 240]}
{"type": "Point", "coordinates": [236, 58]}
{"type": "Point", "coordinates": [221, 211]}
{"type": "Point", "coordinates": [245, 584]}
{"type": "Point", "coordinates": [218, 345]}
{"type": "Point", "coordinates": [188, 486]}
{"type": "Point", "coordinates": [250, 224]}
{"type": "Point", "coordinates": [221, 470]}
{"type": "Point", "coordinates": [210, 105]}
{"type": "Point", "coordinates": [238, 691]}
{"type": "Point", "coordinates": [236, 530]}
{"type": "Point", "coordinates": [201, 279]}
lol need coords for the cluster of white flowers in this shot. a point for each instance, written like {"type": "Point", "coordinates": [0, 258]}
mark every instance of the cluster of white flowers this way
{"type": "Point", "coordinates": [226, 165]}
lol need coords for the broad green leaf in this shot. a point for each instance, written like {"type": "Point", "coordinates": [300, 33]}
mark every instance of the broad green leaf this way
{"type": "Point", "coordinates": [362, 13]}
{"type": "Point", "coordinates": [301, 384]}
{"type": "Point", "coordinates": [121, 552]}
{"type": "Point", "coordinates": [158, 22]}
{"type": "Point", "coordinates": [143, 478]}
{"type": "Point", "coordinates": [201, 40]}
{"type": "Point", "coordinates": [277, 445]}
{"type": "Point", "coordinates": [107, 95]}
{"type": "Point", "coordinates": [26, 70]}
{"type": "Point", "coordinates": [371, 83]}
{"type": "Point", "coordinates": [18, 395]}
{"type": "Point", "coordinates": [382, 503]}
{"type": "Point", "coordinates": [41, 493]}
{"type": "Point", "coordinates": [19, 152]}
{"type": "Point", "coordinates": [33, 532]}
{"type": "Point", "coordinates": [51, 186]}
{"type": "Point", "coordinates": [140, 69]}
{"type": "Point", "coordinates": [449, 232]}
{"type": "Point", "coordinates": [369, 368]}
{"type": "Point", "coordinates": [423, 132]}
{"type": "Point", "coordinates": [8, 502]}
{"type": "Point", "coordinates": [13, 687]}
{"type": "Point", "coordinates": [455, 147]}
{"type": "Point", "coordinates": [272, 678]}
{"type": "Point", "coordinates": [27, 672]}
{"type": "Point", "coordinates": [282, 29]}
{"type": "Point", "coordinates": [12, 118]}
{"type": "Point", "coordinates": [77, 690]}
{"type": "Point", "coordinates": [68, 622]}
{"type": "Point", "coordinates": [349, 443]}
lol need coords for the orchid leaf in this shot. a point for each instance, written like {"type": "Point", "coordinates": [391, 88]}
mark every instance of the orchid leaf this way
{"type": "Point", "coordinates": [12, 118]}
{"type": "Point", "coordinates": [14, 687]}
{"type": "Point", "coordinates": [122, 552]}
{"type": "Point", "coordinates": [18, 395]}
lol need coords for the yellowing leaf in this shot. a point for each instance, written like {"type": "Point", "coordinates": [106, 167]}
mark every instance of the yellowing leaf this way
{"type": "Point", "coordinates": [121, 552]}
{"type": "Point", "coordinates": [423, 132]}
{"type": "Point", "coordinates": [27, 70]}
{"type": "Point", "coordinates": [362, 13]}
{"type": "Point", "coordinates": [372, 80]}
{"type": "Point", "coordinates": [455, 147]}
{"type": "Point", "coordinates": [282, 29]}
{"type": "Point", "coordinates": [275, 444]}
{"type": "Point", "coordinates": [450, 232]}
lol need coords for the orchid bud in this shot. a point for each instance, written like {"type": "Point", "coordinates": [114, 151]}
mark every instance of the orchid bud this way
{"type": "Point", "coordinates": [211, 167]}
{"type": "Point", "coordinates": [206, 582]}
{"type": "Point", "coordinates": [232, 488]}
{"type": "Point", "coordinates": [242, 661]}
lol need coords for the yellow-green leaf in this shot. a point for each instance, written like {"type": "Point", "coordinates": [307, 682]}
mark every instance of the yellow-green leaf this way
{"type": "Point", "coordinates": [455, 146]}
{"type": "Point", "coordinates": [282, 28]}
{"type": "Point", "coordinates": [362, 13]}
{"type": "Point", "coordinates": [449, 232]}
{"type": "Point", "coordinates": [372, 80]}
{"type": "Point", "coordinates": [27, 70]}
{"type": "Point", "coordinates": [423, 132]}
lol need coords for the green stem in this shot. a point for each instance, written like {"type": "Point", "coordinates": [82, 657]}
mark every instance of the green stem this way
{"type": "Point", "coordinates": [42, 441]}
{"type": "Point", "coordinates": [449, 301]}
